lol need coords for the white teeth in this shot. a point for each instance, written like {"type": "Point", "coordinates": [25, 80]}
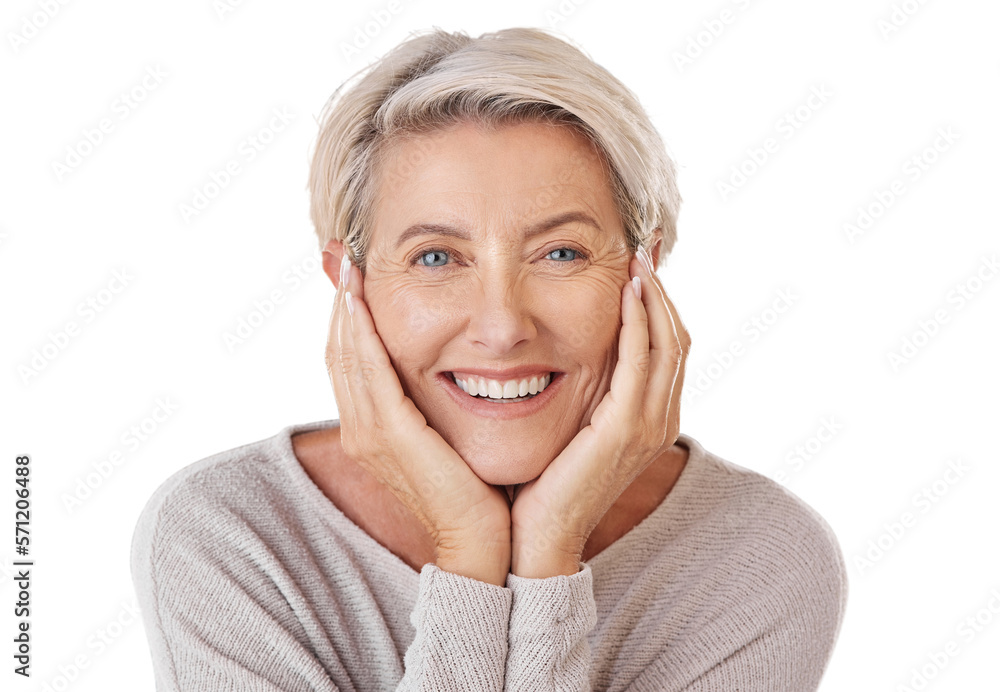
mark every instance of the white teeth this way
{"type": "Point", "coordinates": [511, 389]}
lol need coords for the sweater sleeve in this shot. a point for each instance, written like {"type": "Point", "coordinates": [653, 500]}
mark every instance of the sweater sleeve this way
{"type": "Point", "coordinates": [781, 637]}
{"type": "Point", "coordinates": [547, 637]}
{"type": "Point", "coordinates": [764, 620]}
{"type": "Point", "coordinates": [221, 613]}
{"type": "Point", "coordinates": [214, 619]}
{"type": "Point", "coordinates": [767, 644]}
{"type": "Point", "coordinates": [461, 634]}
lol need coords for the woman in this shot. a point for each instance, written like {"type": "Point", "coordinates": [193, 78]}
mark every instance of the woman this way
{"type": "Point", "coordinates": [506, 501]}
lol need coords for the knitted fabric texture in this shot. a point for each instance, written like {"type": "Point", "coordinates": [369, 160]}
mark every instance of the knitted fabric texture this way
{"type": "Point", "coordinates": [250, 578]}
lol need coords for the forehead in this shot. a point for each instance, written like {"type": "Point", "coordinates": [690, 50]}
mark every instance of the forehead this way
{"type": "Point", "coordinates": [508, 176]}
{"type": "Point", "coordinates": [468, 141]}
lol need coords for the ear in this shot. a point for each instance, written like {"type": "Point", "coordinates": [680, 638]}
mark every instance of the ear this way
{"type": "Point", "coordinates": [654, 248]}
{"type": "Point", "coordinates": [332, 256]}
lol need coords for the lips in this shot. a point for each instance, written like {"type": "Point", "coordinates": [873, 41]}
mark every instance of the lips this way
{"type": "Point", "coordinates": [513, 389]}
{"type": "Point", "coordinates": [504, 374]}
{"type": "Point", "coordinates": [503, 409]}
{"type": "Point", "coordinates": [550, 373]}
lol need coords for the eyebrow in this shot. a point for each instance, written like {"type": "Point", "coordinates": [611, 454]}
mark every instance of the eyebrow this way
{"type": "Point", "coordinates": [537, 228]}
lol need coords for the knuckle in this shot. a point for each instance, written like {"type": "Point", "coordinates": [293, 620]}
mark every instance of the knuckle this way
{"type": "Point", "coordinates": [640, 362]}
{"type": "Point", "coordinates": [331, 357]}
{"type": "Point", "coordinates": [685, 340]}
{"type": "Point", "coordinates": [677, 352]}
{"type": "Point", "coordinates": [344, 361]}
{"type": "Point", "coordinates": [369, 371]}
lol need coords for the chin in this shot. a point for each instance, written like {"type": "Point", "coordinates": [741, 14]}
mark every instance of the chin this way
{"type": "Point", "coordinates": [504, 467]}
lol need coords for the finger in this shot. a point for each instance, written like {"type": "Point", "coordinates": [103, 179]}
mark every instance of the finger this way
{"type": "Point", "coordinates": [663, 336]}
{"type": "Point", "coordinates": [373, 390]}
{"type": "Point", "coordinates": [681, 349]}
{"type": "Point", "coordinates": [669, 345]}
{"type": "Point", "coordinates": [355, 356]}
{"type": "Point", "coordinates": [339, 359]}
{"type": "Point", "coordinates": [628, 382]}
{"type": "Point", "coordinates": [374, 386]}
{"type": "Point", "coordinates": [677, 358]}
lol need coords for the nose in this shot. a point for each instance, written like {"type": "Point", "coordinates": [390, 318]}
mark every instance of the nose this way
{"type": "Point", "coordinates": [500, 313]}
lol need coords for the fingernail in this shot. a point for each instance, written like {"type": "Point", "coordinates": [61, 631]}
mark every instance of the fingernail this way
{"type": "Point", "coordinates": [350, 305]}
{"type": "Point", "coordinates": [345, 269]}
{"type": "Point", "coordinates": [636, 287]}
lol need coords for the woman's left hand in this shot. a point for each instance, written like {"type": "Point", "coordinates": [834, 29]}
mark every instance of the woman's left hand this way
{"type": "Point", "coordinates": [637, 421]}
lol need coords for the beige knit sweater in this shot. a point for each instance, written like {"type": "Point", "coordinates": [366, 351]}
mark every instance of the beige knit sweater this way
{"type": "Point", "coordinates": [249, 578]}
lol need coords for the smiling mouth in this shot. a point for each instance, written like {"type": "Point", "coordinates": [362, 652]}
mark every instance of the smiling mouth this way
{"type": "Point", "coordinates": [510, 392]}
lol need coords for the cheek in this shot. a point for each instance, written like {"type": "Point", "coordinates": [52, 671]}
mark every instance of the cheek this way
{"type": "Point", "coordinates": [415, 322]}
{"type": "Point", "coordinates": [585, 319]}
{"type": "Point", "coordinates": [412, 323]}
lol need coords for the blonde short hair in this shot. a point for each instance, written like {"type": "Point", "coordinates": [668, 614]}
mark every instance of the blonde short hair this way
{"type": "Point", "coordinates": [520, 74]}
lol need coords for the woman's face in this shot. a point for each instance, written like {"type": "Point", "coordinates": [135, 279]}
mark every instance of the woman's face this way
{"type": "Point", "coordinates": [499, 253]}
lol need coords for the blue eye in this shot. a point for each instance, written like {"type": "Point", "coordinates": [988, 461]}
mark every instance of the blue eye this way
{"type": "Point", "coordinates": [440, 258]}
{"type": "Point", "coordinates": [567, 250]}
{"type": "Point", "coordinates": [442, 255]}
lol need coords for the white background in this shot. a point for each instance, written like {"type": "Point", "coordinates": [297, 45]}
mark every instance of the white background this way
{"type": "Point", "coordinates": [824, 361]}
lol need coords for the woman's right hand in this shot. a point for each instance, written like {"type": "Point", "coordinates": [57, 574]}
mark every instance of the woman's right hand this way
{"type": "Point", "coordinates": [383, 431]}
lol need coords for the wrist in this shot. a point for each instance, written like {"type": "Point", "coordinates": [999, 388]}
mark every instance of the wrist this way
{"type": "Point", "coordinates": [543, 566]}
{"type": "Point", "coordinates": [535, 555]}
{"type": "Point", "coordinates": [480, 560]}
{"type": "Point", "coordinates": [473, 569]}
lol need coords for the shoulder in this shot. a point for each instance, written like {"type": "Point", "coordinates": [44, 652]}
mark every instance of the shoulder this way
{"type": "Point", "coordinates": [744, 587]}
{"type": "Point", "coordinates": [227, 502]}
{"type": "Point", "coordinates": [222, 482]}
{"type": "Point", "coordinates": [777, 547]}
{"type": "Point", "coordinates": [745, 510]}
{"type": "Point", "coordinates": [236, 570]}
